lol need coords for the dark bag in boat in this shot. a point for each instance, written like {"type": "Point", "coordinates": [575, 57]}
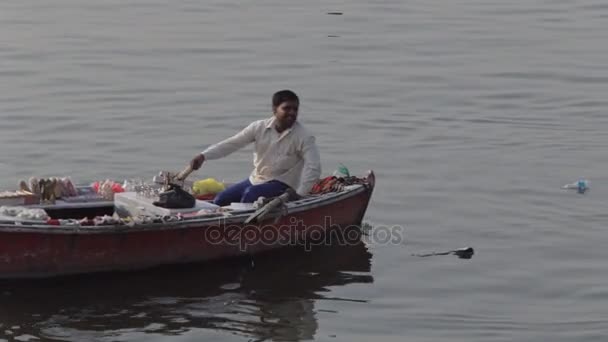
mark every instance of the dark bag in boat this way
{"type": "Point", "coordinates": [175, 198]}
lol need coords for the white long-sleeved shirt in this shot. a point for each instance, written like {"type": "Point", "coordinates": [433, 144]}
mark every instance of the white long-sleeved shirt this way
{"type": "Point", "coordinates": [290, 157]}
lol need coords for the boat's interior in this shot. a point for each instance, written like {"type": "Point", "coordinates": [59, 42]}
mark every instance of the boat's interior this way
{"type": "Point", "coordinates": [56, 201]}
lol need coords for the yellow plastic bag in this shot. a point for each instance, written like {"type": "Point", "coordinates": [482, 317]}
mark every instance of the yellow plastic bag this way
{"type": "Point", "coordinates": [207, 186]}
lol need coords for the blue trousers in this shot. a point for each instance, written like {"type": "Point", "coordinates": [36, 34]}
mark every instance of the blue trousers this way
{"type": "Point", "coordinates": [245, 192]}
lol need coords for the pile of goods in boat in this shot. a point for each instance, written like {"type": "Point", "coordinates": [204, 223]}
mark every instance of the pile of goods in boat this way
{"type": "Point", "coordinates": [24, 213]}
{"type": "Point", "coordinates": [114, 220]}
{"type": "Point", "coordinates": [57, 191]}
{"type": "Point", "coordinates": [334, 184]}
{"type": "Point", "coordinates": [207, 188]}
{"type": "Point", "coordinates": [107, 189]}
{"type": "Point", "coordinates": [48, 190]}
{"type": "Point", "coordinates": [37, 216]}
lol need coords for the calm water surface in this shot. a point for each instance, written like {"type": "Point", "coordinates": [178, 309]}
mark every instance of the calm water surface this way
{"type": "Point", "coordinates": [472, 113]}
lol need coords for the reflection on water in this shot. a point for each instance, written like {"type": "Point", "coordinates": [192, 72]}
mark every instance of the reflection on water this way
{"type": "Point", "coordinates": [267, 297]}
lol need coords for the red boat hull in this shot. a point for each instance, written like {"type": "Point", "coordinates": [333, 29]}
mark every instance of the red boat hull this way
{"type": "Point", "coordinates": [44, 253]}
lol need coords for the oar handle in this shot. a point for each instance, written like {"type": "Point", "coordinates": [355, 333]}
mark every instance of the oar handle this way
{"type": "Point", "coordinates": [261, 213]}
{"type": "Point", "coordinates": [185, 173]}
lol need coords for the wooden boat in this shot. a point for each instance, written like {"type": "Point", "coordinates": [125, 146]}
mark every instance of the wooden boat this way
{"type": "Point", "coordinates": [34, 249]}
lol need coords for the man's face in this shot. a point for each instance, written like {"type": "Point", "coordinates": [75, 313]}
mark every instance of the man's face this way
{"type": "Point", "coordinates": [287, 113]}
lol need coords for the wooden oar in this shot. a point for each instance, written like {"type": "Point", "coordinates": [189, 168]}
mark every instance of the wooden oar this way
{"type": "Point", "coordinates": [184, 174]}
{"type": "Point", "coordinates": [169, 179]}
{"type": "Point", "coordinates": [261, 213]}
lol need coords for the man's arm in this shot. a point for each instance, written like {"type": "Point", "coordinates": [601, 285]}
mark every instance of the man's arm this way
{"type": "Point", "coordinates": [232, 144]}
{"type": "Point", "coordinates": [312, 166]}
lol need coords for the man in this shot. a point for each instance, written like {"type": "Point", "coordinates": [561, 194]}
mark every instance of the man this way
{"type": "Point", "coordinates": [285, 155]}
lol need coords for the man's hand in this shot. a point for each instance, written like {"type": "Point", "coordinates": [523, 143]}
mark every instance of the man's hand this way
{"type": "Point", "coordinates": [197, 161]}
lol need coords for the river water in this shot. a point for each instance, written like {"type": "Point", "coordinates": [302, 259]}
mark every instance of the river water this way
{"type": "Point", "coordinates": [472, 113]}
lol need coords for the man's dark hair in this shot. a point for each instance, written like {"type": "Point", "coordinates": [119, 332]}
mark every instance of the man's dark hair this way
{"type": "Point", "coordinates": [282, 96]}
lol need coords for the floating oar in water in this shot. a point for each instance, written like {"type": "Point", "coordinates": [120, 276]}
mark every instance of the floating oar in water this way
{"type": "Point", "coordinates": [462, 253]}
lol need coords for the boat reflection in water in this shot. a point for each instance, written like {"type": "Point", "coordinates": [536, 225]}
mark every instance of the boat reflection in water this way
{"type": "Point", "coordinates": [268, 297]}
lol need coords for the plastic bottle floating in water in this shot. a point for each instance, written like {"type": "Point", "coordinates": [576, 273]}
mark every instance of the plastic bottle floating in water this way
{"type": "Point", "coordinates": [581, 186]}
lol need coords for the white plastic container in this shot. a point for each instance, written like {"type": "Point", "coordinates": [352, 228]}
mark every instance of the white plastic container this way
{"type": "Point", "coordinates": [129, 204]}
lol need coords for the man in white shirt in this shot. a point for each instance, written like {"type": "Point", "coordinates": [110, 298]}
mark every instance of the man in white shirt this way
{"type": "Point", "coordinates": [285, 155]}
